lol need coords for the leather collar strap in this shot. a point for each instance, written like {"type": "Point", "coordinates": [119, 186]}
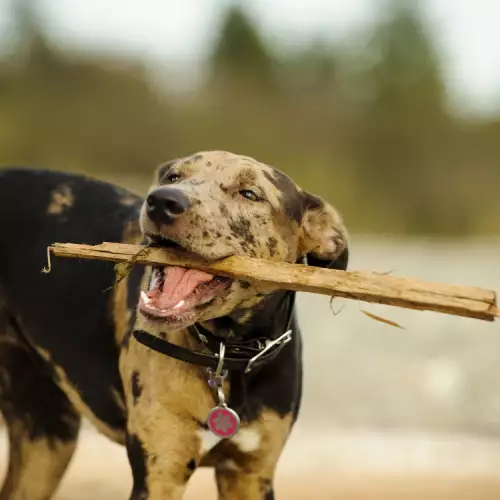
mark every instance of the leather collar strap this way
{"type": "Point", "coordinates": [239, 355]}
{"type": "Point", "coordinates": [236, 360]}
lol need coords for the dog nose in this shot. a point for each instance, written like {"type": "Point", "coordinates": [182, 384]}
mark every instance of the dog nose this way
{"type": "Point", "coordinates": [165, 204]}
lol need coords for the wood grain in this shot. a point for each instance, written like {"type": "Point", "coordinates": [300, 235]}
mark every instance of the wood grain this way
{"type": "Point", "coordinates": [466, 301]}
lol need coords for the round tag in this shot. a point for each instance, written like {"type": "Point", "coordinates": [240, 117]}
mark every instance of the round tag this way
{"type": "Point", "coordinates": [223, 421]}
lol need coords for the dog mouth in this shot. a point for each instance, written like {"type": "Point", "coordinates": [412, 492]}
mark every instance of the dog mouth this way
{"type": "Point", "coordinates": [177, 294]}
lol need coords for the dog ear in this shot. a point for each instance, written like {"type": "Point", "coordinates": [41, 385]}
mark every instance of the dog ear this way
{"type": "Point", "coordinates": [324, 239]}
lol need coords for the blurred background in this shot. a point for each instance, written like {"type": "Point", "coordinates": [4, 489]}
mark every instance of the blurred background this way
{"type": "Point", "coordinates": [390, 109]}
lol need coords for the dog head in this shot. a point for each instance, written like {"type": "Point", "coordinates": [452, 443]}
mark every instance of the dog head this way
{"type": "Point", "coordinates": [218, 204]}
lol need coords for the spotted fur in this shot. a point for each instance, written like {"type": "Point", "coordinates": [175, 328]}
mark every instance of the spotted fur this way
{"type": "Point", "coordinates": [66, 348]}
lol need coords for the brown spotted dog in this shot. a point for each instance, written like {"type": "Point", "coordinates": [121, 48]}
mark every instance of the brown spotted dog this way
{"type": "Point", "coordinates": [148, 360]}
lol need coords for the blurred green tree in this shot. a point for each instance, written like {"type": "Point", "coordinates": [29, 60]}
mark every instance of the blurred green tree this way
{"type": "Point", "coordinates": [403, 125]}
{"type": "Point", "coordinates": [240, 53]}
{"type": "Point", "coordinates": [73, 111]}
{"type": "Point", "coordinates": [373, 134]}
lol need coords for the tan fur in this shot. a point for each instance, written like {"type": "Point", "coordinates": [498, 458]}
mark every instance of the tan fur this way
{"type": "Point", "coordinates": [175, 397]}
{"type": "Point", "coordinates": [250, 475]}
{"type": "Point", "coordinates": [323, 233]}
{"type": "Point", "coordinates": [35, 466]}
{"type": "Point", "coordinates": [119, 400]}
{"type": "Point", "coordinates": [213, 182]}
{"type": "Point", "coordinates": [61, 200]}
{"type": "Point", "coordinates": [120, 312]}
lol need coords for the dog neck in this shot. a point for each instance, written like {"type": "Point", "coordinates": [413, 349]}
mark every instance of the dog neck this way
{"type": "Point", "coordinates": [269, 319]}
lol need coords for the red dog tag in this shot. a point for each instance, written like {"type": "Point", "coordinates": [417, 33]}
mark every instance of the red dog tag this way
{"type": "Point", "coordinates": [223, 422]}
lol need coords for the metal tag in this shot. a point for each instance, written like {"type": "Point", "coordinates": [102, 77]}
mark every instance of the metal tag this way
{"type": "Point", "coordinates": [223, 421]}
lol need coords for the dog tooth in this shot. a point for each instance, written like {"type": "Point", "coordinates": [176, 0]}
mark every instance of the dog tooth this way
{"type": "Point", "coordinates": [145, 298]}
{"type": "Point", "coordinates": [179, 304]}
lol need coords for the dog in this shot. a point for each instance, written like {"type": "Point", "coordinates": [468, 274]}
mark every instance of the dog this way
{"type": "Point", "coordinates": [184, 368]}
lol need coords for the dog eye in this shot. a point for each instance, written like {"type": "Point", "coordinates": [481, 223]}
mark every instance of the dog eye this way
{"type": "Point", "coordinates": [249, 195]}
{"type": "Point", "coordinates": [172, 177]}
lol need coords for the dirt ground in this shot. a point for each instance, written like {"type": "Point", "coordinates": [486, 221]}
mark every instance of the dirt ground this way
{"type": "Point", "coordinates": [353, 465]}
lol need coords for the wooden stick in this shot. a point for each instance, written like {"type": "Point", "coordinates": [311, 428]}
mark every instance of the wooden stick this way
{"type": "Point", "coordinates": [464, 301]}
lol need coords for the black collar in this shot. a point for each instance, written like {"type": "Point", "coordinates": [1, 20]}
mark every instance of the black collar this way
{"type": "Point", "coordinates": [239, 355]}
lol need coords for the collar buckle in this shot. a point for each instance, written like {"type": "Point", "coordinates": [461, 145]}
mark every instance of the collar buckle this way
{"type": "Point", "coordinates": [283, 339]}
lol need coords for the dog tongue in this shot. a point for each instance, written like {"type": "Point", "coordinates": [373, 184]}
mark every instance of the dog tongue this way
{"type": "Point", "coordinates": [179, 284]}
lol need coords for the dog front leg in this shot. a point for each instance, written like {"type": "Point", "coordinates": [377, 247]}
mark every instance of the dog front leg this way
{"type": "Point", "coordinates": [166, 400]}
{"type": "Point", "coordinates": [247, 471]}
{"type": "Point", "coordinates": [162, 463]}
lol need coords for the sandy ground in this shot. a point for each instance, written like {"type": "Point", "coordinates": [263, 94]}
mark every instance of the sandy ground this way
{"type": "Point", "coordinates": [333, 465]}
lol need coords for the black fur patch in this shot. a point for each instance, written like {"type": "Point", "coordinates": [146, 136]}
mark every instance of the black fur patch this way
{"type": "Point", "coordinates": [313, 202]}
{"type": "Point", "coordinates": [292, 200]}
{"type": "Point", "coordinates": [138, 462]}
{"type": "Point", "coordinates": [97, 215]}
{"type": "Point", "coordinates": [269, 495]}
{"type": "Point", "coordinates": [266, 486]}
{"type": "Point", "coordinates": [340, 262]}
{"type": "Point", "coordinates": [163, 169]}
{"type": "Point", "coordinates": [276, 385]}
{"type": "Point", "coordinates": [136, 387]}
{"type": "Point", "coordinates": [240, 227]}
{"type": "Point", "coordinates": [31, 397]}
{"type": "Point", "coordinates": [126, 340]}
{"type": "Point", "coordinates": [190, 468]}
{"type": "Point", "coordinates": [271, 243]}
{"type": "Point", "coordinates": [246, 177]}
{"type": "Point", "coordinates": [224, 210]}
{"type": "Point", "coordinates": [224, 326]}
